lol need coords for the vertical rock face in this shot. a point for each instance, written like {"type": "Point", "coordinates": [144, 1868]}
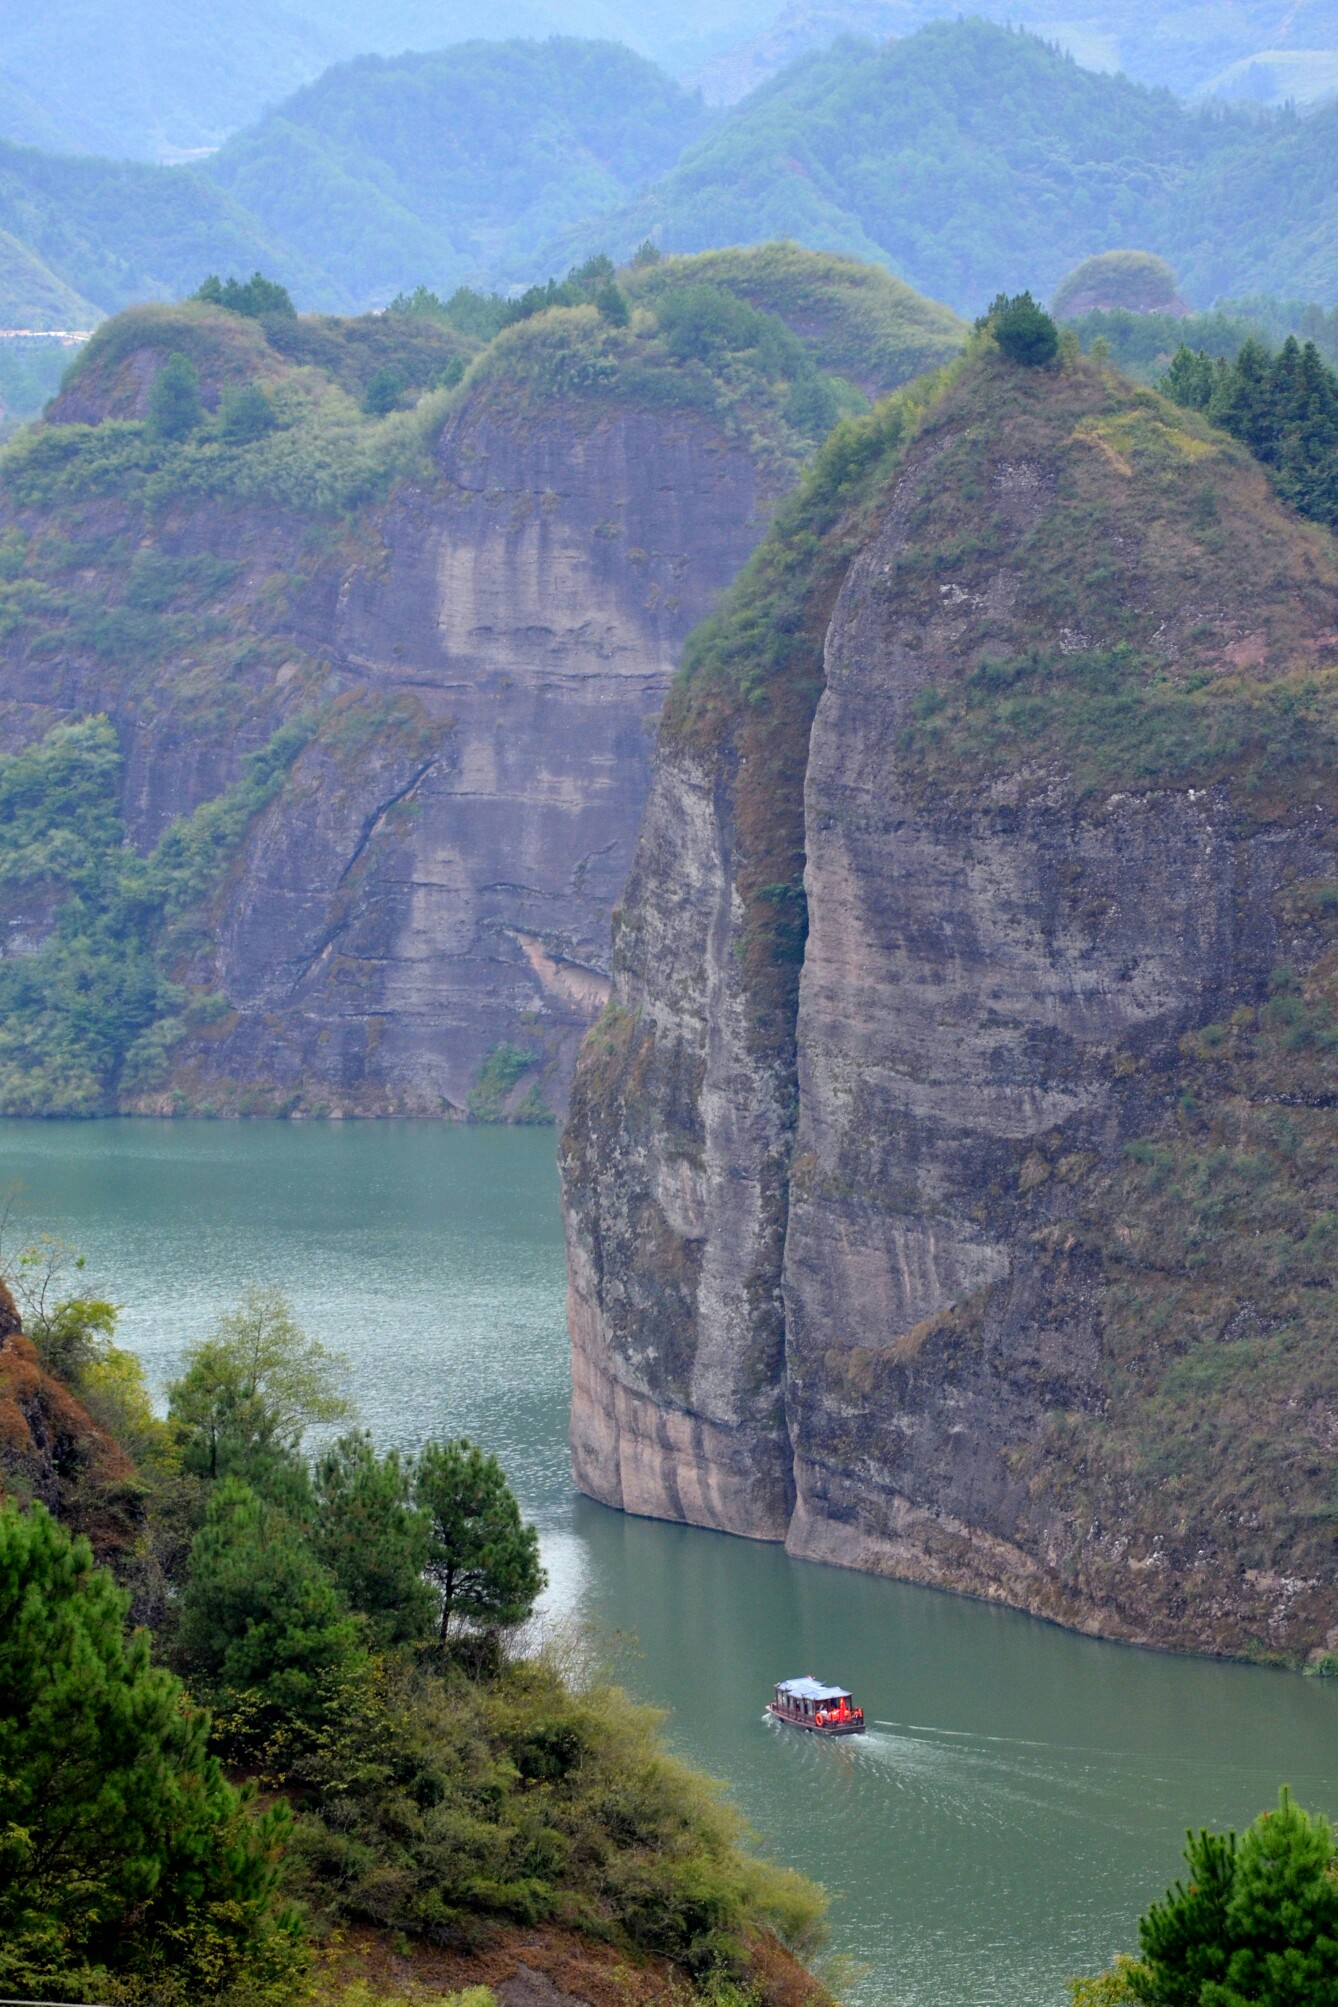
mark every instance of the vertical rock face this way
{"type": "Point", "coordinates": [1010, 1177]}
{"type": "Point", "coordinates": [487, 654]}
{"type": "Point", "coordinates": [676, 1147]}
{"type": "Point", "coordinates": [453, 892]}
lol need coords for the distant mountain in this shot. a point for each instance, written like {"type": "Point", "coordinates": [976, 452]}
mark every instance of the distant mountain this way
{"type": "Point", "coordinates": [444, 168]}
{"type": "Point", "coordinates": [120, 231]}
{"type": "Point", "coordinates": [154, 80]}
{"type": "Point", "coordinates": [1268, 51]}
{"type": "Point", "coordinates": [965, 158]}
{"type": "Point", "coordinates": [969, 157]}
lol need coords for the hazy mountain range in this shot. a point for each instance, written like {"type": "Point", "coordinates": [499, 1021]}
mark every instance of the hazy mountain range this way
{"type": "Point", "coordinates": [155, 81]}
{"type": "Point", "coordinates": [965, 158]}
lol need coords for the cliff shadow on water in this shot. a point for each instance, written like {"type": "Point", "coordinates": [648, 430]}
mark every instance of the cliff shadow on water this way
{"type": "Point", "coordinates": [949, 1183]}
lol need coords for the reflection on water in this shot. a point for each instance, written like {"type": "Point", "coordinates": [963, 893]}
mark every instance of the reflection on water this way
{"type": "Point", "coordinates": [1021, 1793]}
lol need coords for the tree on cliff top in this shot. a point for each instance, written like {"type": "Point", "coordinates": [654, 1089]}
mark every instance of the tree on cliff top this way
{"type": "Point", "coordinates": [1024, 332]}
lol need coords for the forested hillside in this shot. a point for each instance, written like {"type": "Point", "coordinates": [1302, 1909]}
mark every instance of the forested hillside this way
{"type": "Point", "coordinates": [117, 232]}
{"type": "Point", "coordinates": [967, 158]}
{"type": "Point", "coordinates": [438, 169]}
{"type": "Point", "coordinates": [971, 158]}
{"type": "Point", "coordinates": [146, 79]}
{"type": "Point", "coordinates": [1264, 50]}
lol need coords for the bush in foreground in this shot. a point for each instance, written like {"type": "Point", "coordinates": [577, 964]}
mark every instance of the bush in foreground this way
{"type": "Point", "coordinates": [123, 1849]}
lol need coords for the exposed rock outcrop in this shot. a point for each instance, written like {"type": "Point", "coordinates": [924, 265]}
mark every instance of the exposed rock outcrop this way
{"type": "Point", "coordinates": [52, 1450]}
{"type": "Point", "coordinates": [963, 1239]}
{"type": "Point", "coordinates": [419, 923]}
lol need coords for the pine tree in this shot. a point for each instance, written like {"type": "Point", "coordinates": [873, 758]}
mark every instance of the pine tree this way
{"type": "Point", "coordinates": [260, 1616]}
{"type": "Point", "coordinates": [373, 1539]}
{"type": "Point", "coordinates": [1256, 1925]}
{"type": "Point", "coordinates": [121, 1843]}
{"type": "Point", "coordinates": [482, 1557]}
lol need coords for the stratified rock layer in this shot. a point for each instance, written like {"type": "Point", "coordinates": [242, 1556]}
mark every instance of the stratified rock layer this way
{"type": "Point", "coordinates": [981, 1255]}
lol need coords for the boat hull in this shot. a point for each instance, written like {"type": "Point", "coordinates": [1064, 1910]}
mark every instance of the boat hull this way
{"type": "Point", "coordinates": [815, 1727]}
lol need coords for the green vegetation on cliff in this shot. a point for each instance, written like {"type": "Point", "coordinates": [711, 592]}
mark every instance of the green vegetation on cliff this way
{"type": "Point", "coordinates": [1090, 594]}
{"type": "Point", "coordinates": [173, 542]}
{"type": "Point", "coordinates": [1283, 407]}
{"type": "Point", "coordinates": [90, 1013]}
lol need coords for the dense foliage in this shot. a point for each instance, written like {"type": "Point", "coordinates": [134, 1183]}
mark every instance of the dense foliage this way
{"type": "Point", "coordinates": [130, 83]}
{"type": "Point", "coordinates": [436, 1786]}
{"type": "Point", "coordinates": [122, 1847]}
{"type": "Point", "coordinates": [92, 1011]}
{"type": "Point", "coordinates": [458, 163]}
{"type": "Point", "coordinates": [967, 158]}
{"type": "Point", "coordinates": [1284, 407]}
{"type": "Point", "coordinates": [972, 159]}
{"type": "Point", "coordinates": [115, 232]}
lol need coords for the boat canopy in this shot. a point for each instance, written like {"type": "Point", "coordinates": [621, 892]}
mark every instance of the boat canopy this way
{"type": "Point", "coordinates": [812, 1689]}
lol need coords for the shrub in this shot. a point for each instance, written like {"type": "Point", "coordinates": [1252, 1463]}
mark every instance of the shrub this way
{"type": "Point", "coordinates": [383, 392]}
{"type": "Point", "coordinates": [175, 409]}
{"type": "Point", "coordinates": [245, 413]}
{"type": "Point", "coordinates": [1024, 332]}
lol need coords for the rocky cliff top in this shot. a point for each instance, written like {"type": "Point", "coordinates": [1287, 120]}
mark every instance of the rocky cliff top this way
{"type": "Point", "coordinates": [947, 1186]}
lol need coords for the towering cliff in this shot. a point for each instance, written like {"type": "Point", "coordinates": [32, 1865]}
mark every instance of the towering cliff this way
{"type": "Point", "coordinates": [949, 1185]}
{"type": "Point", "coordinates": [445, 635]}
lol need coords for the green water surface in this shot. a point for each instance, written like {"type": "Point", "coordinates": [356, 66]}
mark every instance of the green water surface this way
{"type": "Point", "coordinates": [1023, 1792]}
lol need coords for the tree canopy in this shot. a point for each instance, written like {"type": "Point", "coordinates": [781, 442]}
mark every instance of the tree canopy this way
{"type": "Point", "coordinates": [482, 1557]}
{"type": "Point", "coordinates": [253, 1387]}
{"type": "Point", "coordinates": [1255, 1924]}
{"type": "Point", "coordinates": [1283, 406]}
{"type": "Point", "coordinates": [121, 1844]}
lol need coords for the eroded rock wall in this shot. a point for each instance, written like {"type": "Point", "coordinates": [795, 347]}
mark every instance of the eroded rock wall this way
{"type": "Point", "coordinates": [487, 654]}
{"type": "Point", "coordinates": [1052, 1292]}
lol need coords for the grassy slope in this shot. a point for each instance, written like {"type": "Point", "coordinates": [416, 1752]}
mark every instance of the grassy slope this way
{"type": "Point", "coordinates": [1213, 1234]}
{"type": "Point", "coordinates": [970, 159]}
{"type": "Point", "coordinates": [860, 322]}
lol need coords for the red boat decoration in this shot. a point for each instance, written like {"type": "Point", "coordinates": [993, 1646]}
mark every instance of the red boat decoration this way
{"type": "Point", "coordinates": [822, 1710]}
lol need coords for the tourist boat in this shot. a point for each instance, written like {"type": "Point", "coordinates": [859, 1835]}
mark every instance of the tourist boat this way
{"type": "Point", "coordinates": [822, 1710]}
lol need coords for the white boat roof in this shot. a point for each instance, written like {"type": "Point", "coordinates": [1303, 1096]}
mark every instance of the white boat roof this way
{"type": "Point", "coordinates": [808, 1688]}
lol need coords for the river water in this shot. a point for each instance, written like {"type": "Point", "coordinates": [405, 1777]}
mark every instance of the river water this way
{"type": "Point", "coordinates": [1023, 1793]}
